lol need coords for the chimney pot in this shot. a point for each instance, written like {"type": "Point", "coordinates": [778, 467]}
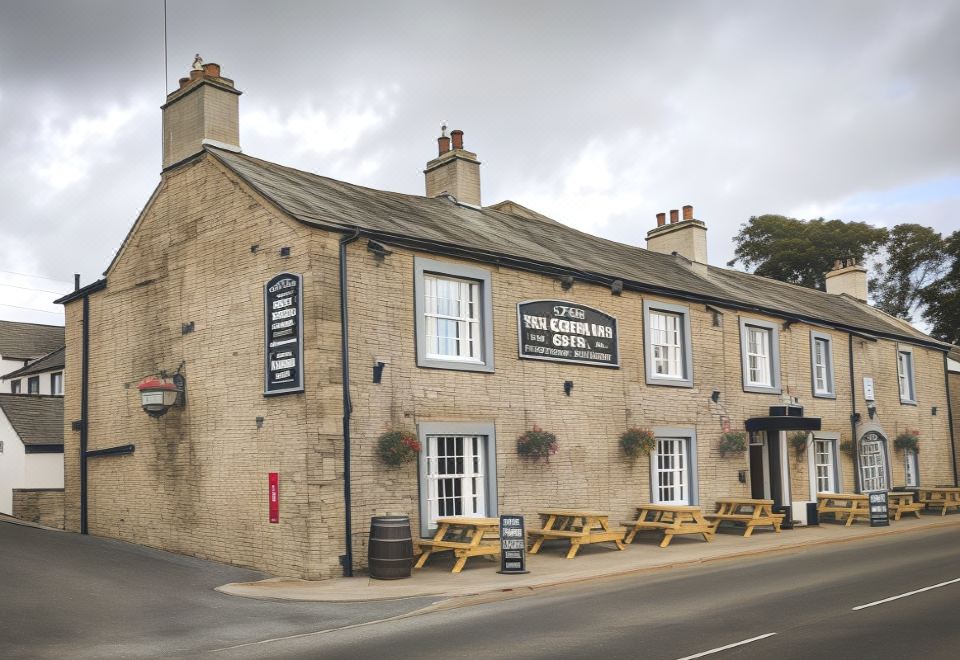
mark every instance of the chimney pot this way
{"type": "Point", "coordinates": [443, 144]}
{"type": "Point", "coordinates": [183, 82]}
{"type": "Point", "coordinates": [674, 215]}
{"type": "Point", "coordinates": [196, 74]}
{"type": "Point", "coordinates": [211, 70]}
{"type": "Point", "coordinates": [457, 136]}
{"type": "Point", "coordinates": [661, 219]}
{"type": "Point", "coordinates": [688, 212]}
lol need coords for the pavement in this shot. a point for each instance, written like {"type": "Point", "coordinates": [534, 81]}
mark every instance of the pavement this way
{"type": "Point", "coordinates": [550, 567]}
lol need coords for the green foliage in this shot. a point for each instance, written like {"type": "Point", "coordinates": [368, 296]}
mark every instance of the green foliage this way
{"type": "Point", "coordinates": [635, 441]}
{"type": "Point", "coordinates": [942, 298]}
{"type": "Point", "coordinates": [536, 444]}
{"type": "Point", "coordinates": [848, 448]}
{"type": "Point", "coordinates": [798, 441]}
{"type": "Point", "coordinates": [803, 251]}
{"type": "Point", "coordinates": [733, 442]}
{"type": "Point", "coordinates": [908, 440]}
{"type": "Point", "coordinates": [398, 447]}
{"type": "Point", "coordinates": [915, 258]}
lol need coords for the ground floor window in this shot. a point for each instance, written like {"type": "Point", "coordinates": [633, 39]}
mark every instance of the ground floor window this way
{"type": "Point", "coordinates": [673, 468]}
{"type": "Point", "coordinates": [457, 472]}
{"type": "Point", "coordinates": [825, 464]}
{"type": "Point", "coordinates": [911, 478]}
{"type": "Point", "coordinates": [873, 462]}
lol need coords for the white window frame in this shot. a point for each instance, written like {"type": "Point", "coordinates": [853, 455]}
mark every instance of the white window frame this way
{"type": "Point", "coordinates": [56, 383]}
{"type": "Point", "coordinates": [831, 442]}
{"type": "Point", "coordinates": [687, 437]}
{"type": "Point", "coordinates": [906, 375]}
{"type": "Point", "coordinates": [683, 361]}
{"type": "Point", "coordinates": [16, 387]}
{"type": "Point", "coordinates": [468, 275]}
{"type": "Point", "coordinates": [30, 381]}
{"type": "Point", "coordinates": [828, 390]}
{"type": "Point", "coordinates": [486, 496]}
{"type": "Point", "coordinates": [772, 384]}
{"type": "Point", "coordinates": [878, 471]}
{"type": "Point", "coordinates": [911, 468]}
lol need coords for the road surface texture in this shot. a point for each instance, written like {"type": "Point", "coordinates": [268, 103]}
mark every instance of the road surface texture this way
{"type": "Point", "coordinates": [62, 595]}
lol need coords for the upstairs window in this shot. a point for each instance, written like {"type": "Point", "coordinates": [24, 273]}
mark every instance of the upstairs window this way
{"type": "Point", "coordinates": [667, 349]}
{"type": "Point", "coordinates": [760, 354]}
{"type": "Point", "coordinates": [821, 365]}
{"type": "Point", "coordinates": [56, 383]}
{"type": "Point", "coordinates": [905, 376]}
{"type": "Point", "coordinates": [453, 316]}
{"type": "Point", "coordinates": [15, 386]}
{"type": "Point", "coordinates": [33, 385]}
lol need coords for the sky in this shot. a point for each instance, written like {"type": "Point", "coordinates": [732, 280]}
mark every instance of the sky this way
{"type": "Point", "coordinates": [598, 114]}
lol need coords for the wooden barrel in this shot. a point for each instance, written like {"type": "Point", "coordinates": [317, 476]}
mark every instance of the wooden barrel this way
{"type": "Point", "coordinates": [390, 551]}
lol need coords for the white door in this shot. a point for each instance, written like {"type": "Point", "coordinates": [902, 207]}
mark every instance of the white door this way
{"type": "Point", "coordinates": [910, 469]}
{"type": "Point", "coordinates": [873, 463]}
{"type": "Point", "coordinates": [455, 476]}
{"type": "Point", "coordinates": [671, 477]}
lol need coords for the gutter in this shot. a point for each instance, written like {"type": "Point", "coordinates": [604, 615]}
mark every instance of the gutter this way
{"type": "Point", "coordinates": [953, 440]}
{"type": "Point", "coordinates": [347, 559]}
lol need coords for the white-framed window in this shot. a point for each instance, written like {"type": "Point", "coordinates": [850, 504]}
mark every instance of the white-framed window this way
{"type": "Point", "coordinates": [15, 386]}
{"type": "Point", "coordinates": [33, 385]}
{"type": "Point", "coordinates": [56, 383]}
{"type": "Point", "coordinates": [457, 471]}
{"type": "Point", "coordinates": [667, 347]}
{"type": "Point", "coordinates": [821, 365]}
{"type": "Point", "coordinates": [911, 472]}
{"type": "Point", "coordinates": [760, 355]}
{"type": "Point", "coordinates": [454, 317]}
{"type": "Point", "coordinates": [873, 462]}
{"type": "Point", "coordinates": [673, 475]}
{"type": "Point", "coordinates": [905, 375]}
{"type": "Point", "coordinates": [825, 470]}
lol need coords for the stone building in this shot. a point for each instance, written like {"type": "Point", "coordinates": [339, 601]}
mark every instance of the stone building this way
{"type": "Point", "coordinates": [304, 317]}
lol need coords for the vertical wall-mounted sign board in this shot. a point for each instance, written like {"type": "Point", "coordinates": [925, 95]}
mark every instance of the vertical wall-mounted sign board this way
{"type": "Point", "coordinates": [868, 388]}
{"type": "Point", "coordinates": [283, 335]}
{"type": "Point", "coordinates": [879, 508]}
{"type": "Point", "coordinates": [513, 559]}
{"type": "Point", "coordinates": [274, 495]}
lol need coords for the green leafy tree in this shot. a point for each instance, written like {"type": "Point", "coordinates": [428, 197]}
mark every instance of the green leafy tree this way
{"type": "Point", "coordinates": [803, 251]}
{"type": "Point", "coordinates": [915, 257]}
{"type": "Point", "coordinates": [942, 298]}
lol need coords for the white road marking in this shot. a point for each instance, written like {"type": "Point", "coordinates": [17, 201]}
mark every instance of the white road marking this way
{"type": "Point", "coordinates": [728, 646]}
{"type": "Point", "coordinates": [909, 593]}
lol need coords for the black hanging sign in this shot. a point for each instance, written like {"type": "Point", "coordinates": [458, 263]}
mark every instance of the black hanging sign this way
{"type": "Point", "coordinates": [283, 334]}
{"type": "Point", "coordinates": [879, 508]}
{"type": "Point", "coordinates": [563, 331]}
{"type": "Point", "coordinates": [513, 546]}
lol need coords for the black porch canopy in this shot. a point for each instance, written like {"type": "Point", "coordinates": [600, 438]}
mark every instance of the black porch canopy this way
{"type": "Point", "coordinates": [784, 418]}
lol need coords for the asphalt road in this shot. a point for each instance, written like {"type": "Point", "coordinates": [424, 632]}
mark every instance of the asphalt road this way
{"type": "Point", "coordinates": [62, 595]}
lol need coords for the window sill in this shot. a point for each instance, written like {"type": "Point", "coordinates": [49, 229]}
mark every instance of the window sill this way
{"type": "Point", "coordinates": [907, 402]}
{"type": "Point", "coordinates": [454, 365]}
{"type": "Point", "coordinates": [762, 389]}
{"type": "Point", "coordinates": [825, 395]}
{"type": "Point", "coordinates": [670, 382]}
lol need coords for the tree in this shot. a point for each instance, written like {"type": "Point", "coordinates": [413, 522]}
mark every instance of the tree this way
{"type": "Point", "coordinates": [942, 298]}
{"type": "Point", "coordinates": [915, 257]}
{"type": "Point", "coordinates": [803, 251]}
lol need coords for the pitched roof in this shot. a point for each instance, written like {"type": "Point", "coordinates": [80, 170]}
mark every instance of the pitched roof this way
{"type": "Point", "coordinates": [517, 239]}
{"type": "Point", "coordinates": [49, 362]}
{"type": "Point", "coordinates": [27, 341]}
{"type": "Point", "coordinates": [38, 420]}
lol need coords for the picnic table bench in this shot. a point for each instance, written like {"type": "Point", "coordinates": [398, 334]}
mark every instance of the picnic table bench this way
{"type": "Point", "coordinates": [464, 537]}
{"type": "Point", "coordinates": [671, 519]}
{"type": "Point", "coordinates": [750, 512]}
{"type": "Point", "coordinates": [901, 502]}
{"type": "Point", "coordinates": [853, 505]}
{"type": "Point", "coordinates": [945, 497]}
{"type": "Point", "coordinates": [577, 526]}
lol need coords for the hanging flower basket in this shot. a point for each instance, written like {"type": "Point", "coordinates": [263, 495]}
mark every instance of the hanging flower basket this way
{"type": "Point", "coordinates": [733, 442]}
{"type": "Point", "coordinates": [798, 441]}
{"type": "Point", "coordinates": [848, 448]}
{"type": "Point", "coordinates": [907, 441]}
{"type": "Point", "coordinates": [398, 447]}
{"type": "Point", "coordinates": [635, 441]}
{"type": "Point", "coordinates": [536, 444]}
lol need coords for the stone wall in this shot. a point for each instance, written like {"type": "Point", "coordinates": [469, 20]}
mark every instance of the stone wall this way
{"type": "Point", "coordinates": [39, 505]}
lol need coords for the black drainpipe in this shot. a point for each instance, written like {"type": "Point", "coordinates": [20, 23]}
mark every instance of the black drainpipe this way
{"type": "Point", "coordinates": [347, 558]}
{"type": "Point", "coordinates": [84, 386]}
{"type": "Point", "coordinates": [953, 440]}
{"type": "Point", "coordinates": [853, 418]}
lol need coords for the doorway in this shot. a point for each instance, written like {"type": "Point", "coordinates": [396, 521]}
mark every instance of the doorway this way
{"type": "Point", "coordinates": [759, 466]}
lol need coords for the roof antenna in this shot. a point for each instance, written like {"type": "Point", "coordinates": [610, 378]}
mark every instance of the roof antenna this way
{"type": "Point", "coordinates": [443, 128]}
{"type": "Point", "coordinates": [198, 63]}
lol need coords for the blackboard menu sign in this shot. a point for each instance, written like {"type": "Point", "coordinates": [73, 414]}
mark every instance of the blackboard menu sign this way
{"type": "Point", "coordinates": [283, 334]}
{"type": "Point", "coordinates": [562, 331]}
{"type": "Point", "coordinates": [879, 508]}
{"type": "Point", "coordinates": [513, 545]}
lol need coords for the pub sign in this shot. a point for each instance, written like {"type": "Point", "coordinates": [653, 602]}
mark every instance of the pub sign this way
{"type": "Point", "coordinates": [562, 331]}
{"type": "Point", "coordinates": [283, 334]}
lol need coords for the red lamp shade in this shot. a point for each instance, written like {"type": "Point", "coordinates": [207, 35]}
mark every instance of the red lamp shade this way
{"type": "Point", "coordinates": [157, 395]}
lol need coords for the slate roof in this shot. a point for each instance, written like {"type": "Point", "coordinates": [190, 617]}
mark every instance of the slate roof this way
{"type": "Point", "coordinates": [486, 234]}
{"type": "Point", "coordinates": [49, 362]}
{"type": "Point", "coordinates": [28, 341]}
{"type": "Point", "coordinates": [38, 420]}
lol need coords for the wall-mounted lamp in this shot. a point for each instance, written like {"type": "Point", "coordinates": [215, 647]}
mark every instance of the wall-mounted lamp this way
{"type": "Point", "coordinates": [933, 411]}
{"type": "Point", "coordinates": [378, 371]}
{"type": "Point", "coordinates": [566, 282]}
{"type": "Point", "coordinates": [378, 251]}
{"type": "Point", "coordinates": [616, 287]}
{"type": "Point", "coordinates": [567, 387]}
{"type": "Point", "coordinates": [856, 418]}
{"type": "Point", "coordinates": [715, 396]}
{"type": "Point", "coordinates": [285, 252]}
{"type": "Point", "coordinates": [742, 476]}
{"type": "Point", "coordinates": [159, 394]}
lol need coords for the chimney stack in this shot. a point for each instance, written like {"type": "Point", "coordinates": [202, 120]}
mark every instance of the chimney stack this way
{"type": "Point", "coordinates": [849, 277]}
{"type": "Point", "coordinates": [687, 238]}
{"type": "Point", "coordinates": [205, 109]}
{"type": "Point", "coordinates": [454, 171]}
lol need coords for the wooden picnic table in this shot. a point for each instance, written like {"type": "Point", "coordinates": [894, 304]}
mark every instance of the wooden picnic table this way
{"type": "Point", "coordinates": [577, 526]}
{"type": "Point", "coordinates": [945, 497]}
{"type": "Point", "coordinates": [464, 537]}
{"type": "Point", "coordinates": [672, 519]}
{"type": "Point", "coordinates": [853, 505]}
{"type": "Point", "coordinates": [751, 512]}
{"type": "Point", "coordinates": [900, 502]}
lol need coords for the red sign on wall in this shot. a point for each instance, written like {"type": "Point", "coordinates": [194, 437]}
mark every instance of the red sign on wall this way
{"type": "Point", "coordinates": [274, 497]}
